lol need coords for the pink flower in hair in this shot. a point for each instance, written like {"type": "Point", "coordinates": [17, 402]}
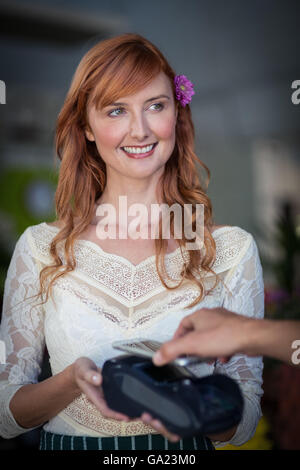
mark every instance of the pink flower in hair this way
{"type": "Point", "coordinates": [183, 89]}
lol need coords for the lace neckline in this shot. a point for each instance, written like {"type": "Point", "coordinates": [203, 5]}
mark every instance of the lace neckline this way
{"type": "Point", "coordinates": [151, 258]}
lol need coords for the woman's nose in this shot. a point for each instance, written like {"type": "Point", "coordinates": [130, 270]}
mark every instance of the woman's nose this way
{"type": "Point", "coordinates": [139, 127]}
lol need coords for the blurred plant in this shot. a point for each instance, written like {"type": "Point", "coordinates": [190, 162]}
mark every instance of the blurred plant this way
{"type": "Point", "coordinates": [280, 305]}
{"type": "Point", "coordinates": [282, 381]}
{"type": "Point", "coordinates": [282, 302]}
{"type": "Point", "coordinates": [18, 201]}
{"type": "Point", "coordinates": [21, 190]}
{"type": "Point", "coordinates": [288, 243]}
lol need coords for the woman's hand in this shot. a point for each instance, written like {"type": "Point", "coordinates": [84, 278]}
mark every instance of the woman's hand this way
{"type": "Point", "coordinates": [156, 424]}
{"type": "Point", "coordinates": [87, 379]}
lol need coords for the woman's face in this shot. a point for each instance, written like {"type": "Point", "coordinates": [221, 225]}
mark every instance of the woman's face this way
{"type": "Point", "coordinates": [137, 121]}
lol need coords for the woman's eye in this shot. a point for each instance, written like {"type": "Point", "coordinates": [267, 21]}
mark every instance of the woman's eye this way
{"type": "Point", "coordinates": [158, 104]}
{"type": "Point", "coordinates": [118, 109]}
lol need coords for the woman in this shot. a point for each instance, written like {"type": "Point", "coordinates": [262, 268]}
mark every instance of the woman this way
{"type": "Point", "coordinates": [125, 102]}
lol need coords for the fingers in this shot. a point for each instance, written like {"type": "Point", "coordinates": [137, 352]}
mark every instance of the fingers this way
{"type": "Point", "coordinates": [95, 395]}
{"type": "Point", "coordinates": [188, 344]}
{"type": "Point", "coordinates": [87, 370]}
{"type": "Point", "coordinates": [93, 377]}
{"type": "Point", "coordinates": [192, 322]}
{"type": "Point", "coordinates": [109, 413]}
{"type": "Point", "coordinates": [158, 426]}
{"type": "Point", "coordinates": [186, 325]}
{"type": "Point", "coordinates": [181, 331]}
{"type": "Point", "coordinates": [92, 393]}
{"type": "Point", "coordinates": [89, 379]}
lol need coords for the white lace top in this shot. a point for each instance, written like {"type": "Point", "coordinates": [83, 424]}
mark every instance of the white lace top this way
{"type": "Point", "coordinates": [107, 298]}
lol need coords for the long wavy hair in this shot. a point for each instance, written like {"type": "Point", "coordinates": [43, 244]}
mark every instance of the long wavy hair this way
{"type": "Point", "coordinates": [115, 67]}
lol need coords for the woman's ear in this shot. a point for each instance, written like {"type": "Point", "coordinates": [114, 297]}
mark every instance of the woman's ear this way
{"type": "Point", "coordinates": [89, 135]}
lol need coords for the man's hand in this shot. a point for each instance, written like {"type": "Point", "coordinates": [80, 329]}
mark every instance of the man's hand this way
{"type": "Point", "coordinates": [215, 333]}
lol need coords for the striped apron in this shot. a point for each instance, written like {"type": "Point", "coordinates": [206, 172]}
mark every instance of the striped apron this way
{"type": "Point", "coordinates": [50, 441]}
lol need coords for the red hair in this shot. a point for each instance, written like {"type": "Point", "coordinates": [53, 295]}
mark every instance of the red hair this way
{"type": "Point", "coordinates": [116, 67]}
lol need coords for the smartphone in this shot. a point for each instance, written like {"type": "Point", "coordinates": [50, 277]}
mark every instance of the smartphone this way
{"type": "Point", "coordinates": [146, 348]}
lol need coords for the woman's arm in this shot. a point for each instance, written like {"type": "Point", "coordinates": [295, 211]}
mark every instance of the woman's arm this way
{"type": "Point", "coordinates": [34, 404]}
{"type": "Point", "coordinates": [26, 403]}
{"type": "Point", "coordinates": [21, 329]}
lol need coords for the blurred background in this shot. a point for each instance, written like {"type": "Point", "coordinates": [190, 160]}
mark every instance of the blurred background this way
{"type": "Point", "coordinates": [243, 58]}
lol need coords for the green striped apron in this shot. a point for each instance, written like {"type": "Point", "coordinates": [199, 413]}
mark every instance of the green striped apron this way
{"type": "Point", "coordinates": [50, 441]}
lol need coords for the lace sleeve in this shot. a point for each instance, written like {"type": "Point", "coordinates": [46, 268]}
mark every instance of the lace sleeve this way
{"type": "Point", "coordinates": [21, 330]}
{"type": "Point", "coordinates": [245, 297]}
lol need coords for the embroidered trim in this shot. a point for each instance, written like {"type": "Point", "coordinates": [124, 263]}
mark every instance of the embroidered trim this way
{"type": "Point", "coordinates": [133, 284]}
{"type": "Point", "coordinates": [85, 413]}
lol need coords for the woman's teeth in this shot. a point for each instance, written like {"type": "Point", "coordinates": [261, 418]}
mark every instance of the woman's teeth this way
{"type": "Point", "coordinates": [139, 149]}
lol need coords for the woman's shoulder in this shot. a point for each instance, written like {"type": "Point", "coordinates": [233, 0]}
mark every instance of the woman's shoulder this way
{"type": "Point", "coordinates": [230, 231]}
{"type": "Point", "coordinates": [217, 227]}
{"type": "Point", "coordinates": [56, 223]}
{"type": "Point", "coordinates": [46, 229]}
{"type": "Point", "coordinates": [39, 237]}
{"type": "Point", "coordinates": [232, 244]}
{"type": "Point", "coordinates": [227, 232]}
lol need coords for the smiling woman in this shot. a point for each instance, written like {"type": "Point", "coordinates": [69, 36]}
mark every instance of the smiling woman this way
{"type": "Point", "coordinates": [142, 129]}
{"type": "Point", "coordinates": [126, 98]}
{"type": "Point", "coordinates": [125, 130]}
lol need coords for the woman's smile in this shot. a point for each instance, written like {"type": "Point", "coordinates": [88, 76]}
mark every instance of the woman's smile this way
{"type": "Point", "coordinates": [139, 152]}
